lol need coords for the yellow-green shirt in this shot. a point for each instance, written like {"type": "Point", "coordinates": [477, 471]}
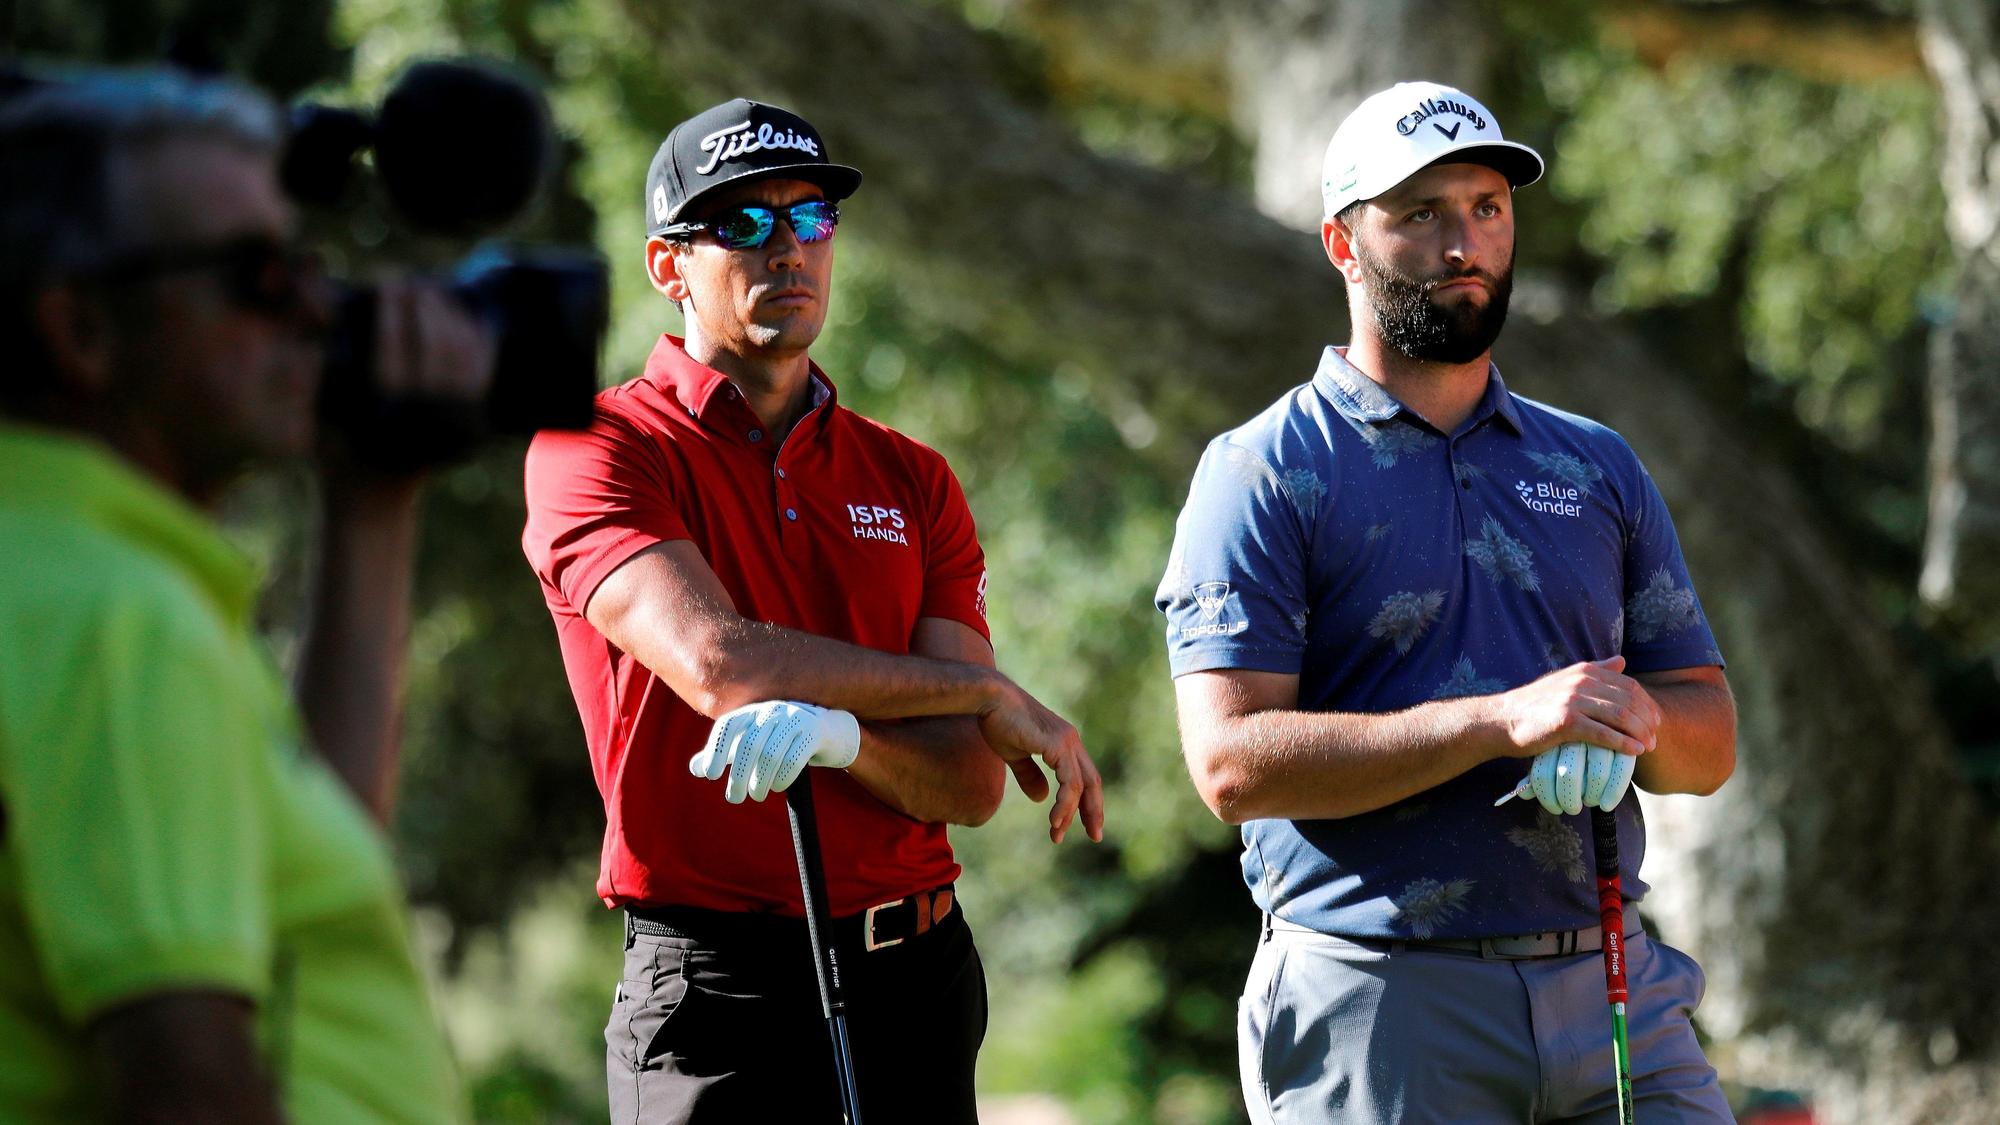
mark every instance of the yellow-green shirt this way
{"type": "Point", "coordinates": [162, 828]}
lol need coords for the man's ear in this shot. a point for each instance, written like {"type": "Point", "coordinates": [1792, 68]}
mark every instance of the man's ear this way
{"type": "Point", "coordinates": [1338, 239]}
{"type": "Point", "coordinates": [663, 269]}
{"type": "Point", "coordinates": [76, 333]}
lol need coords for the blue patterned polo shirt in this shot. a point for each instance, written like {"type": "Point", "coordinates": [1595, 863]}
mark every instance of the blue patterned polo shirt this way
{"type": "Point", "coordinates": [1339, 537]}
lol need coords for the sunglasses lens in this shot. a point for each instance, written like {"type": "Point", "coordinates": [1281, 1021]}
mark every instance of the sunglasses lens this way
{"type": "Point", "coordinates": [745, 228]}
{"type": "Point", "coordinates": [814, 221]}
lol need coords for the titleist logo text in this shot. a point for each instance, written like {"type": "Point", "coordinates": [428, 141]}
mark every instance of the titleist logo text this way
{"type": "Point", "coordinates": [739, 139]}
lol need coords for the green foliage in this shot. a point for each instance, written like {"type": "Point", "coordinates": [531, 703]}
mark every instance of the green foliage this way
{"type": "Point", "coordinates": [525, 1008]}
{"type": "Point", "coordinates": [1115, 968]}
{"type": "Point", "coordinates": [496, 787]}
{"type": "Point", "coordinates": [1087, 1036]}
{"type": "Point", "coordinates": [1814, 206]}
{"type": "Point", "coordinates": [1804, 216]}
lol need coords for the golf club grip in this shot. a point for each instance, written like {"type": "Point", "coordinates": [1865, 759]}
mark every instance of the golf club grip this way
{"type": "Point", "coordinates": [1610, 903]}
{"type": "Point", "coordinates": [812, 884]}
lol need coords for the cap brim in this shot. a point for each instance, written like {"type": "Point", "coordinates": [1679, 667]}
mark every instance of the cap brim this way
{"type": "Point", "coordinates": [1519, 163]}
{"type": "Point", "coordinates": [838, 181]}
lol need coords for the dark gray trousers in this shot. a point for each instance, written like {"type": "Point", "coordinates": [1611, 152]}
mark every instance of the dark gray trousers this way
{"type": "Point", "coordinates": [731, 1031]}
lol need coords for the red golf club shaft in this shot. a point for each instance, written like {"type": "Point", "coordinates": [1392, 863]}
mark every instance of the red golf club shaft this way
{"type": "Point", "coordinates": [1611, 918]}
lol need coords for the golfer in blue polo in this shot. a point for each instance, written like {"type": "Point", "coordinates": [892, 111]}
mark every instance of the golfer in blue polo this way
{"type": "Point", "coordinates": [1392, 592]}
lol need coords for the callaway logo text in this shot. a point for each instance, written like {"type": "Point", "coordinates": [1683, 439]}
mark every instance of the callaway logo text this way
{"type": "Point", "coordinates": [1549, 499]}
{"type": "Point", "coordinates": [873, 521]}
{"type": "Point", "coordinates": [730, 143]}
{"type": "Point", "coordinates": [1429, 108]}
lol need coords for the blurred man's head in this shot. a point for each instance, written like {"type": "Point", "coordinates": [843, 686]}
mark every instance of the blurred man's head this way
{"type": "Point", "coordinates": [150, 289]}
{"type": "Point", "coordinates": [740, 210]}
{"type": "Point", "coordinates": [1418, 195]}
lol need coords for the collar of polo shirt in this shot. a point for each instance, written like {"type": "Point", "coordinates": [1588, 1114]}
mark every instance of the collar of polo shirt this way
{"type": "Point", "coordinates": [1361, 399]}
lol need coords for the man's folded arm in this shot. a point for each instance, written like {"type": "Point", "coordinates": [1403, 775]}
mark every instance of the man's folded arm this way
{"type": "Point", "coordinates": [939, 768]}
{"type": "Point", "coordinates": [666, 608]}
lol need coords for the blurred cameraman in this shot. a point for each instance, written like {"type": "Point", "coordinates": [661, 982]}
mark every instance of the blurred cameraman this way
{"type": "Point", "coordinates": [198, 918]}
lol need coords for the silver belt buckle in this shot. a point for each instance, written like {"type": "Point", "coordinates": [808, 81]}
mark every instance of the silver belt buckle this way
{"type": "Point", "coordinates": [868, 942]}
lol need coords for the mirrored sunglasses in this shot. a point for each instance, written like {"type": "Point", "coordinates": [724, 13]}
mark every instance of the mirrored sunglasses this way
{"type": "Point", "coordinates": [749, 227]}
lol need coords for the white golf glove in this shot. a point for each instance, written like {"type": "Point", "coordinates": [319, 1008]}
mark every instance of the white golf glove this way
{"type": "Point", "coordinates": [764, 747]}
{"type": "Point", "coordinates": [1575, 775]}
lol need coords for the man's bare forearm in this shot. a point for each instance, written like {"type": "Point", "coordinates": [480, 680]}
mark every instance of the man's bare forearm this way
{"type": "Point", "coordinates": [758, 660]}
{"type": "Point", "coordinates": [1253, 754]}
{"type": "Point", "coordinates": [1304, 765]}
{"type": "Point", "coordinates": [1697, 750]}
{"type": "Point", "coordinates": [937, 769]}
{"type": "Point", "coordinates": [349, 681]}
{"type": "Point", "coordinates": [666, 608]}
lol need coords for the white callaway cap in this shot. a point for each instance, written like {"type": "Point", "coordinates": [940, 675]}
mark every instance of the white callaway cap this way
{"type": "Point", "coordinates": [1410, 126]}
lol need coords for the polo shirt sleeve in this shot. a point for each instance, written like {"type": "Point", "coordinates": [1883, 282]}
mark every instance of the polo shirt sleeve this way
{"type": "Point", "coordinates": [954, 564]}
{"type": "Point", "coordinates": [1665, 627]}
{"type": "Point", "coordinates": [595, 498]}
{"type": "Point", "coordinates": [1235, 589]}
{"type": "Point", "coordinates": [137, 793]}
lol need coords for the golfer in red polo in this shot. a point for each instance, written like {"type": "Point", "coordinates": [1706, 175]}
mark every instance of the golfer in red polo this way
{"type": "Point", "coordinates": [748, 578]}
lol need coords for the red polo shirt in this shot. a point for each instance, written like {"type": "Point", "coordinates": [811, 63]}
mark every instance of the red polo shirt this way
{"type": "Point", "coordinates": [850, 531]}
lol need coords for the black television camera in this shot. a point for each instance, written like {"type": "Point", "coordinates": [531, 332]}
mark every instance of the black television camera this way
{"type": "Point", "coordinates": [460, 150]}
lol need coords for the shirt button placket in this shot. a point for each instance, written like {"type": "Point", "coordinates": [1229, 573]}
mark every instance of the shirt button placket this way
{"type": "Point", "coordinates": [1469, 513]}
{"type": "Point", "coordinates": [781, 491]}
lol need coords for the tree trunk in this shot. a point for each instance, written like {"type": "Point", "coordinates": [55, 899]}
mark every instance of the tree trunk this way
{"type": "Point", "coordinates": [1302, 65]}
{"type": "Point", "coordinates": [1961, 576]}
{"type": "Point", "coordinates": [1829, 889]}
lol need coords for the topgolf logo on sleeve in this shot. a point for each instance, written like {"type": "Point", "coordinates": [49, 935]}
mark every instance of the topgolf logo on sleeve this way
{"type": "Point", "coordinates": [1212, 598]}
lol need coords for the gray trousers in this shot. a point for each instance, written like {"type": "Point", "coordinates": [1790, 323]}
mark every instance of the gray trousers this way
{"type": "Point", "coordinates": [1336, 1031]}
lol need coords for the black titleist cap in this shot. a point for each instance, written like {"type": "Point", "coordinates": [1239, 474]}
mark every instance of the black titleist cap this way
{"type": "Point", "coordinates": [737, 140]}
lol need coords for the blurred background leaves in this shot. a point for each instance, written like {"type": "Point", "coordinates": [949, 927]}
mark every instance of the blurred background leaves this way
{"type": "Point", "coordinates": [1749, 189]}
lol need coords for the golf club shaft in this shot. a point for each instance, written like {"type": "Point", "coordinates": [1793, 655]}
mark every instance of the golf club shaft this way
{"type": "Point", "coordinates": [826, 959]}
{"type": "Point", "coordinates": [1611, 919]}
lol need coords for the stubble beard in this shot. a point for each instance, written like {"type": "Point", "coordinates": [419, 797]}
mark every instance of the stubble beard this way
{"type": "Point", "coordinates": [1410, 322]}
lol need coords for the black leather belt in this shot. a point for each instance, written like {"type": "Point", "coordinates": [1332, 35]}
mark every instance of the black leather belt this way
{"type": "Point", "coordinates": [1521, 947]}
{"type": "Point", "coordinates": [881, 926]}
{"type": "Point", "coordinates": [1512, 947]}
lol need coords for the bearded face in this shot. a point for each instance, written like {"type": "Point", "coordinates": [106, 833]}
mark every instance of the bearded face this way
{"type": "Point", "coordinates": [1414, 320]}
